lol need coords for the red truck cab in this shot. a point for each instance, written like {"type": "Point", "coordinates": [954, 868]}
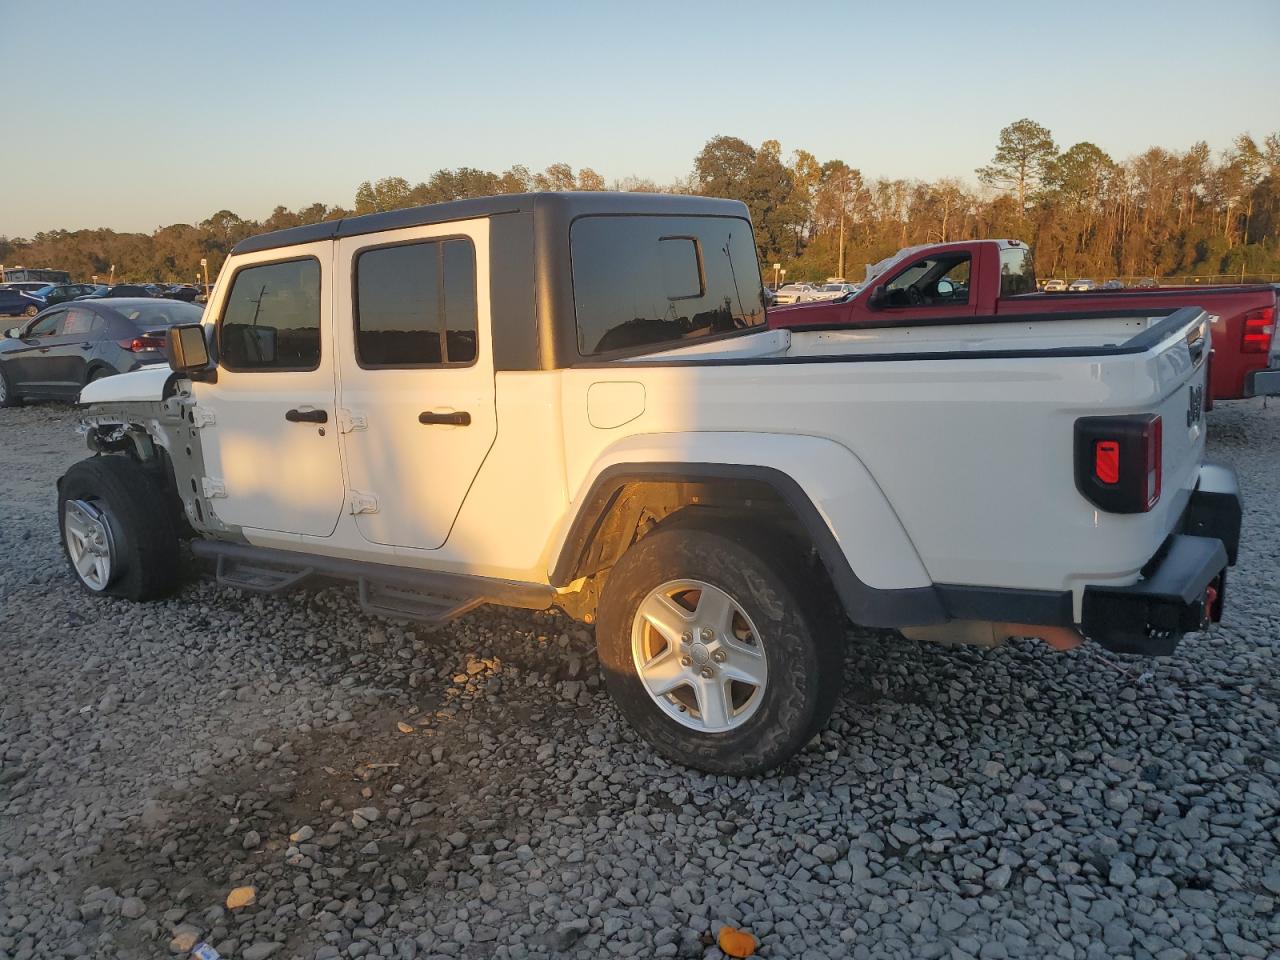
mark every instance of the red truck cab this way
{"type": "Point", "coordinates": [996, 278]}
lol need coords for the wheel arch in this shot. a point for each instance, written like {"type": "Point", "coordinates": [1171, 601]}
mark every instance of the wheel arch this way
{"type": "Point", "coordinates": [802, 484]}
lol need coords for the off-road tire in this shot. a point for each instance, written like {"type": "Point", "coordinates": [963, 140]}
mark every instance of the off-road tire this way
{"type": "Point", "coordinates": [803, 643]}
{"type": "Point", "coordinates": [146, 564]}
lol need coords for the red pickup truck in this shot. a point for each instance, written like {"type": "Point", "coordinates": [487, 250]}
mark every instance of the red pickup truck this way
{"type": "Point", "coordinates": [996, 278]}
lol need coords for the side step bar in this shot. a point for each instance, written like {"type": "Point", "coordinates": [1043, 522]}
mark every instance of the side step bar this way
{"type": "Point", "coordinates": [399, 593]}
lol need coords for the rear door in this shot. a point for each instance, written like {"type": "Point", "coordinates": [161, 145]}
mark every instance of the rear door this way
{"type": "Point", "coordinates": [69, 355]}
{"type": "Point", "coordinates": [416, 379]}
{"type": "Point", "coordinates": [271, 451]}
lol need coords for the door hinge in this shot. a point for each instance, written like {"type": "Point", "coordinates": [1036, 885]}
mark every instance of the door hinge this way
{"type": "Point", "coordinates": [361, 502]}
{"type": "Point", "coordinates": [213, 488]}
{"type": "Point", "coordinates": [348, 421]}
{"type": "Point", "coordinates": [202, 417]}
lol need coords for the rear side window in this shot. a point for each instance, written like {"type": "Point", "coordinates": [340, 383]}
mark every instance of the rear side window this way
{"type": "Point", "coordinates": [272, 318]}
{"type": "Point", "coordinates": [1017, 272]}
{"type": "Point", "coordinates": [651, 281]}
{"type": "Point", "coordinates": [79, 320]}
{"type": "Point", "coordinates": [416, 304]}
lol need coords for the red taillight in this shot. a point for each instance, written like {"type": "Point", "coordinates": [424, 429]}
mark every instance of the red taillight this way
{"type": "Point", "coordinates": [142, 344]}
{"type": "Point", "coordinates": [1119, 461]}
{"type": "Point", "coordinates": [1106, 461]}
{"type": "Point", "coordinates": [1259, 327]}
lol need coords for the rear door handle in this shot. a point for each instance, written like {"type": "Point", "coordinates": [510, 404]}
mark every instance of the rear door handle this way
{"type": "Point", "coordinates": [459, 418]}
{"type": "Point", "coordinates": [307, 416]}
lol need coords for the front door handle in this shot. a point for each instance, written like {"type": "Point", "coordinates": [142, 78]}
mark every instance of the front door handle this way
{"type": "Point", "coordinates": [458, 418]}
{"type": "Point", "coordinates": [307, 416]}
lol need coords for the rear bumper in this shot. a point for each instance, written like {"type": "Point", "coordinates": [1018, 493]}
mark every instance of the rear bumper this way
{"type": "Point", "coordinates": [1262, 383]}
{"type": "Point", "coordinates": [1183, 586]}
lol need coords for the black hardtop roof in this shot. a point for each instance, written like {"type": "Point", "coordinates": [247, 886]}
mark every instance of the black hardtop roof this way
{"type": "Point", "coordinates": [566, 205]}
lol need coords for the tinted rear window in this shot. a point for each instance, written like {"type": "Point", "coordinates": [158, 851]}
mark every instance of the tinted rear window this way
{"type": "Point", "coordinates": [416, 304]}
{"type": "Point", "coordinates": [649, 281]}
{"type": "Point", "coordinates": [163, 313]}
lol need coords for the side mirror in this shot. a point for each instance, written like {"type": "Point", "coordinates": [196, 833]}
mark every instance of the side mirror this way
{"type": "Point", "coordinates": [945, 287]}
{"type": "Point", "coordinates": [13, 333]}
{"type": "Point", "coordinates": [187, 349]}
{"type": "Point", "coordinates": [877, 298]}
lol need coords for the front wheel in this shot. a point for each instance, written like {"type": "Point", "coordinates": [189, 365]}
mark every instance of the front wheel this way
{"type": "Point", "coordinates": [7, 397]}
{"type": "Point", "coordinates": [723, 660]}
{"type": "Point", "coordinates": [31, 311]}
{"type": "Point", "coordinates": [116, 540]}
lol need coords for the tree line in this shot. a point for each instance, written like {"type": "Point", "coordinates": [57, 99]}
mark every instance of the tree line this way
{"type": "Point", "coordinates": [1162, 213]}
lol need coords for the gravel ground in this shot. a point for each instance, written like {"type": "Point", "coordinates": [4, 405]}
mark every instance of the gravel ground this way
{"type": "Point", "coordinates": [472, 792]}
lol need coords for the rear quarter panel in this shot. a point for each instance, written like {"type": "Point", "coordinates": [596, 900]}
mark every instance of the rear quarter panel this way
{"type": "Point", "coordinates": [974, 458]}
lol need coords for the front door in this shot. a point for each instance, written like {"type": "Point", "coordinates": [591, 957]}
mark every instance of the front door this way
{"type": "Point", "coordinates": [30, 364]}
{"type": "Point", "coordinates": [271, 451]}
{"type": "Point", "coordinates": [932, 286]}
{"type": "Point", "coordinates": [416, 391]}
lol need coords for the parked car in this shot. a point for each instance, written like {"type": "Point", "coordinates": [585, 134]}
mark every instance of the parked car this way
{"type": "Point", "coordinates": [67, 346]}
{"type": "Point", "coordinates": [1113, 285]}
{"type": "Point", "coordinates": [25, 286]}
{"type": "Point", "coordinates": [992, 278]}
{"type": "Point", "coordinates": [1147, 283]}
{"type": "Point", "coordinates": [1082, 286]}
{"type": "Point", "coordinates": [834, 291]}
{"type": "Point", "coordinates": [1055, 286]}
{"type": "Point", "coordinates": [627, 441]}
{"type": "Point", "coordinates": [15, 303]}
{"type": "Point", "coordinates": [796, 293]}
{"type": "Point", "coordinates": [182, 291]}
{"type": "Point", "coordinates": [54, 293]}
{"type": "Point", "coordinates": [131, 290]}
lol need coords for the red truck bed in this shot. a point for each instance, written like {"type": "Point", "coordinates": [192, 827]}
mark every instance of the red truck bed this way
{"type": "Point", "coordinates": [988, 278]}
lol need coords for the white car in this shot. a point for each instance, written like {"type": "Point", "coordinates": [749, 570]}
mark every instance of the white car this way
{"type": "Point", "coordinates": [834, 291]}
{"type": "Point", "coordinates": [573, 401]}
{"type": "Point", "coordinates": [1081, 286]}
{"type": "Point", "coordinates": [1055, 286]}
{"type": "Point", "coordinates": [796, 293]}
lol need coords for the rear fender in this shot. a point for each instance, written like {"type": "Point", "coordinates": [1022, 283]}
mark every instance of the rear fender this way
{"type": "Point", "coordinates": [873, 565]}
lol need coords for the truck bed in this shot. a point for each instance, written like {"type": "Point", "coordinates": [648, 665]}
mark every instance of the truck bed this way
{"type": "Point", "coordinates": [966, 426]}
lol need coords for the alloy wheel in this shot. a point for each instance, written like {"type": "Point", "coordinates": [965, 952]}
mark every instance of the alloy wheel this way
{"type": "Point", "coordinates": [699, 656]}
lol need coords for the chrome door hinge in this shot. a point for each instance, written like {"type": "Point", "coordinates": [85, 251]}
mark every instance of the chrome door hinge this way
{"type": "Point", "coordinates": [361, 502]}
{"type": "Point", "coordinates": [202, 417]}
{"type": "Point", "coordinates": [348, 421]}
{"type": "Point", "coordinates": [213, 488]}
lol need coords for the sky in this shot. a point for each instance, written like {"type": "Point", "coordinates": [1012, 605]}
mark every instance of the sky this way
{"type": "Point", "coordinates": [146, 114]}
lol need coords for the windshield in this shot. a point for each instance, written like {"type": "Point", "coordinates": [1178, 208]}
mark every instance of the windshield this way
{"type": "Point", "coordinates": [164, 313]}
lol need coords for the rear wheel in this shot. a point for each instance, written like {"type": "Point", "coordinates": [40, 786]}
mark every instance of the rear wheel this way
{"type": "Point", "coordinates": [31, 311]}
{"type": "Point", "coordinates": [722, 659]}
{"type": "Point", "coordinates": [116, 540]}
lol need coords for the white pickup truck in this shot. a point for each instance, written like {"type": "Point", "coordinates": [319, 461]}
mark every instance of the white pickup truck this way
{"type": "Point", "coordinates": [573, 400]}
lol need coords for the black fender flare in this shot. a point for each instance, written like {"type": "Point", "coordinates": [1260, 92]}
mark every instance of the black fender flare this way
{"type": "Point", "coordinates": [865, 605]}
